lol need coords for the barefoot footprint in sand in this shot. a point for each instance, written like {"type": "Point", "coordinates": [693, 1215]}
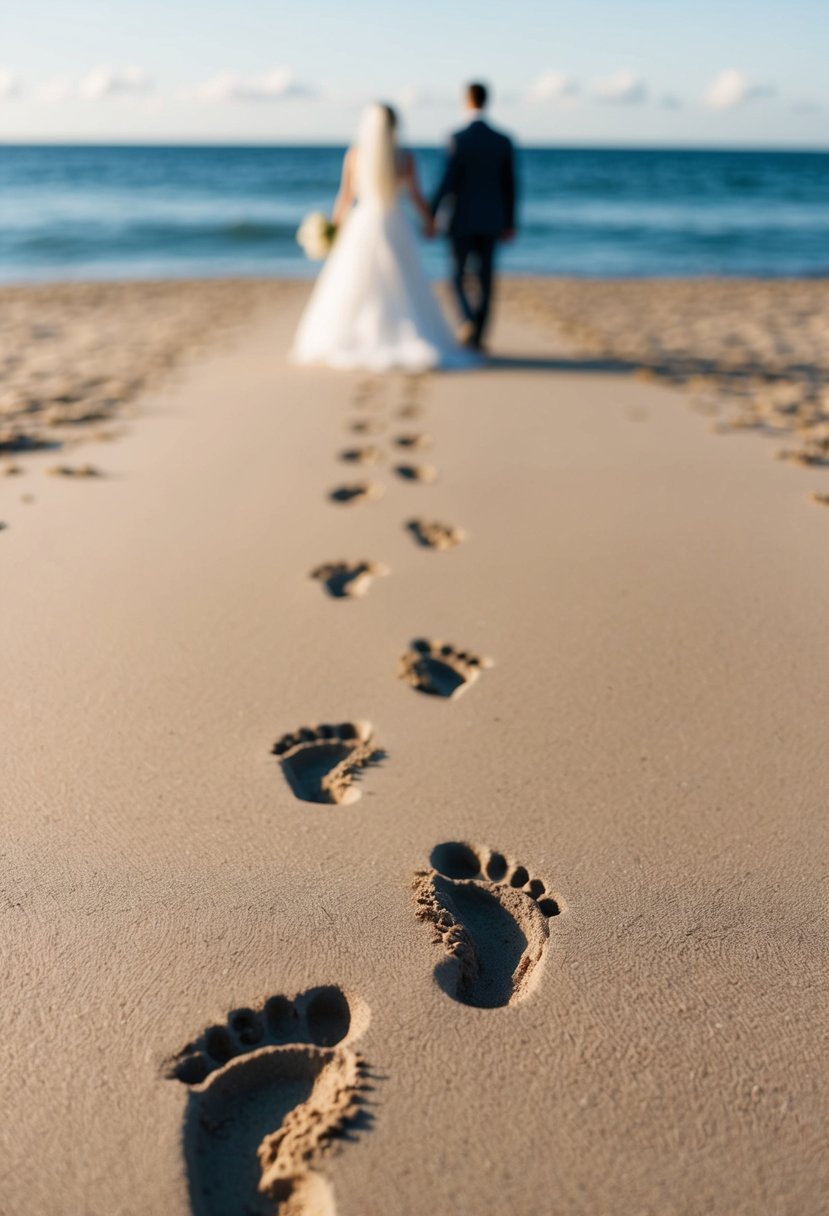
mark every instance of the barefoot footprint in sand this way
{"type": "Point", "coordinates": [321, 763]}
{"type": "Point", "coordinates": [410, 410]}
{"type": "Point", "coordinates": [440, 670]}
{"type": "Point", "coordinates": [348, 580]}
{"type": "Point", "coordinates": [421, 473]}
{"type": "Point", "coordinates": [356, 492]}
{"type": "Point", "coordinates": [414, 441]}
{"type": "Point", "coordinates": [268, 1090]}
{"type": "Point", "coordinates": [366, 426]}
{"type": "Point", "coordinates": [435, 535]}
{"type": "Point", "coordinates": [368, 454]}
{"type": "Point", "coordinates": [492, 919]}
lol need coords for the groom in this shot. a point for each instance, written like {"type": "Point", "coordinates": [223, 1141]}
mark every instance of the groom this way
{"type": "Point", "coordinates": [479, 181]}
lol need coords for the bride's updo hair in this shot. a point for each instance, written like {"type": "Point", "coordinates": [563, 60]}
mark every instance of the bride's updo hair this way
{"type": "Point", "coordinates": [377, 155]}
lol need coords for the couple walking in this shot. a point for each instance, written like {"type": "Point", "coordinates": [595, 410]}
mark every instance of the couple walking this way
{"type": "Point", "coordinates": [372, 306]}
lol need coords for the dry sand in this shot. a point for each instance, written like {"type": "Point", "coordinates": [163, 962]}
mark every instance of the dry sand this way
{"type": "Point", "coordinates": [551, 939]}
{"type": "Point", "coordinates": [753, 353]}
{"type": "Point", "coordinates": [73, 355]}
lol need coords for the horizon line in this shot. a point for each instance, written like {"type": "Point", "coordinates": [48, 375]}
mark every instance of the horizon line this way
{"type": "Point", "coordinates": [338, 145]}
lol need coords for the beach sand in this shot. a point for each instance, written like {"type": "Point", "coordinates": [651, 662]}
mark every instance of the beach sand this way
{"type": "Point", "coordinates": [536, 923]}
{"type": "Point", "coordinates": [75, 355]}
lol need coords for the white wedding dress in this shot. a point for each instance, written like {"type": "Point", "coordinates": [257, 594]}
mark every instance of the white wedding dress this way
{"type": "Point", "coordinates": [372, 306]}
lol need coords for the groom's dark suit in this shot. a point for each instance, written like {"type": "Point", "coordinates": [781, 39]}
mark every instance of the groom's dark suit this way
{"type": "Point", "coordinates": [479, 179]}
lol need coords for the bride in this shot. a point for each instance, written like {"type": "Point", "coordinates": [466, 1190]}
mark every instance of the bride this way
{"type": "Point", "coordinates": [372, 306]}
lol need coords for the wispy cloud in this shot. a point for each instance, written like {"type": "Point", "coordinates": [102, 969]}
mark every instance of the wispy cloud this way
{"type": "Point", "coordinates": [101, 84]}
{"type": "Point", "coordinates": [277, 85]}
{"type": "Point", "coordinates": [552, 86]}
{"type": "Point", "coordinates": [413, 98]}
{"type": "Point", "coordinates": [104, 82]}
{"type": "Point", "coordinates": [55, 90]}
{"type": "Point", "coordinates": [622, 88]}
{"type": "Point", "coordinates": [731, 88]}
{"type": "Point", "coordinates": [9, 85]}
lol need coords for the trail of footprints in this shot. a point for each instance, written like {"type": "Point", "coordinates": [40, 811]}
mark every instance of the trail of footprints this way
{"type": "Point", "coordinates": [274, 1086]}
{"type": "Point", "coordinates": [346, 578]}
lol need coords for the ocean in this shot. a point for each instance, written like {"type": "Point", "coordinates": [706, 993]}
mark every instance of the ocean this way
{"type": "Point", "coordinates": [136, 212]}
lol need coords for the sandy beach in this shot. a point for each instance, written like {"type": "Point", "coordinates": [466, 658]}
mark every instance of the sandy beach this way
{"type": "Point", "coordinates": [414, 788]}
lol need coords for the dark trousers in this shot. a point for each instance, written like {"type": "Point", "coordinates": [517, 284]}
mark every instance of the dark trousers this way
{"type": "Point", "coordinates": [475, 254]}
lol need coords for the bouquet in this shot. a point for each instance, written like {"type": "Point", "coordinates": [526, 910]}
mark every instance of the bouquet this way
{"type": "Point", "coordinates": [316, 235]}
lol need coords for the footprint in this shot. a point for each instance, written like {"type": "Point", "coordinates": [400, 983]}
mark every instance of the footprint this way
{"type": "Point", "coordinates": [413, 384]}
{"type": "Point", "coordinates": [66, 470]}
{"type": "Point", "coordinates": [411, 410]}
{"type": "Point", "coordinates": [366, 388]}
{"type": "Point", "coordinates": [365, 455]}
{"type": "Point", "coordinates": [367, 426]}
{"type": "Point", "coordinates": [368, 397]}
{"type": "Point", "coordinates": [439, 669]}
{"type": "Point", "coordinates": [321, 763]}
{"type": "Point", "coordinates": [415, 441]}
{"type": "Point", "coordinates": [268, 1091]}
{"type": "Point", "coordinates": [434, 535]}
{"type": "Point", "coordinates": [356, 492]}
{"type": "Point", "coordinates": [813, 456]}
{"type": "Point", "coordinates": [492, 919]}
{"type": "Point", "coordinates": [348, 580]}
{"type": "Point", "coordinates": [416, 472]}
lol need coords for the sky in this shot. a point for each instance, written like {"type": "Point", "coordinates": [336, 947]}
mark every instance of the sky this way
{"type": "Point", "coordinates": [594, 72]}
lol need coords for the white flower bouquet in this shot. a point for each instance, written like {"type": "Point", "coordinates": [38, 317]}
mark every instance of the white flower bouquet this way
{"type": "Point", "coordinates": [315, 236]}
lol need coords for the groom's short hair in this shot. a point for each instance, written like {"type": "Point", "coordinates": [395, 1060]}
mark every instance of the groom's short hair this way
{"type": "Point", "coordinates": [477, 94]}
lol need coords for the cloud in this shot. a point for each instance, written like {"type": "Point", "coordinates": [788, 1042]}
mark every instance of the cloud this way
{"type": "Point", "coordinates": [552, 86]}
{"type": "Point", "coordinates": [669, 101]}
{"type": "Point", "coordinates": [100, 84]}
{"type": "Point", "coordinates": [622, 88]}
{"type": "Point", "coordinates": [9, 85]}
{"type": "Point", "coordinates": [731, 88]}
{"type": "Point", "coordinates": [113, 82]}
{"type": "Point", "coordinates": [413, 98]}
{"type": "Point", "coordinates": [277, 85]}
{"type": "Point", "coordinates": [56, 90]}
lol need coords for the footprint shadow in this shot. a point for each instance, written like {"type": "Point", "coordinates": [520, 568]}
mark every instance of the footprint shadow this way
{"type": "Point", "coordinates": [485, 920]}
{"type": "Point", "coordinates": [225, 1125]}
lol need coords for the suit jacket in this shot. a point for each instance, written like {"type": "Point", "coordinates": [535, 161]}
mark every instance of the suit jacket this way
{"type": "Point", "coordinates": [479, 179]}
